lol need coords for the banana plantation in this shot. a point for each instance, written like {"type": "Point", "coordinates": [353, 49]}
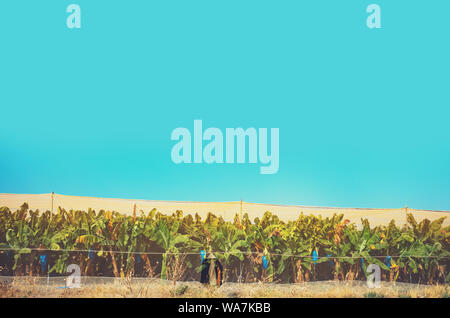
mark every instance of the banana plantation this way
{"type": "Point", "coordinates": [171, 247]}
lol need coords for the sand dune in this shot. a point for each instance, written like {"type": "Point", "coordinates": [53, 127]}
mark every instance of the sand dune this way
{"type": "Point", "coordinates": [225, 209]}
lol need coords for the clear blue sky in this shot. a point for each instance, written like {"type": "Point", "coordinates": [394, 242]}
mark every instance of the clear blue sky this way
{"type": "Point", "coordinates": [363, 114]}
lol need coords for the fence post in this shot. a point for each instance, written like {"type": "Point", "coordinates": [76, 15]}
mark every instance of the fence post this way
{"type": "Point", "coordinates": [240, 213]}
{"type": "Point", "coordinates": [52, 201]}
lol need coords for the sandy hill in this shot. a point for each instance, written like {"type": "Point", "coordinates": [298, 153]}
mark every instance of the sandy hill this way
{"type": "Point", "coordinates": [225, 209]}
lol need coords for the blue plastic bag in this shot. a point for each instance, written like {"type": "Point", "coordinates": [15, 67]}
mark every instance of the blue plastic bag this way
{"type": "Point", "coordinates": [265, 262]}
{"type": "Point", "coordinates": [202, 255]}
{"type": "Point", "coordinates": [387, 261]}
{"type": "Point", "coordinates": [331, 261]}
{"type": "Point", "coordinates": [138, 259]}
{"type": "Point", "coordinates": [362, 264]}
{"type": "Point", "coordinates": [43, 261]}
{"type": "Point", "coordinates": [315, 257]}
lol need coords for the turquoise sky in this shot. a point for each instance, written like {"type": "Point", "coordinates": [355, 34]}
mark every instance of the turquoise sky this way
{"type": "Point", "coordinates": [363, 114]}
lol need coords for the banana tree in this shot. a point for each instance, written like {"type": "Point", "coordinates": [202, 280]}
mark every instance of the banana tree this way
{"type": "Point", "coordinates": [364, 244]}
{"type": "Point", "coordinates": [142, 238]}
{"type": "Point", "coordinates": [23, 237]}
{"type": "Point", "coordinates": [264, 239]}
{"type": "Point", "coordinates": [168, 238]}
{"type": "Point", "coordinates": [229, 243]}
{"type": "Point", "coordinates": [294, 252]}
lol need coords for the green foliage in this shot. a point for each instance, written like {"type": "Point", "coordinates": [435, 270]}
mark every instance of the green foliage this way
{"type": "Point", "coordinates": [418, 249]}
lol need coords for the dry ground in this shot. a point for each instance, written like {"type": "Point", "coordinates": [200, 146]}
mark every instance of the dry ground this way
{"type": "Point", "coordinates": [141, 287]}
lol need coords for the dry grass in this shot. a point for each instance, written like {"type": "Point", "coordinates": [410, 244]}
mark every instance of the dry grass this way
{"type": "Point", "coordinates": [134, 288]}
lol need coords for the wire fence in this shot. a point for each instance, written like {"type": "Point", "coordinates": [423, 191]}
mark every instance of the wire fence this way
{"type": "Point", "coordinates": [216, 252]}
{"type": "Point", "coordinates": [248, 267]}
